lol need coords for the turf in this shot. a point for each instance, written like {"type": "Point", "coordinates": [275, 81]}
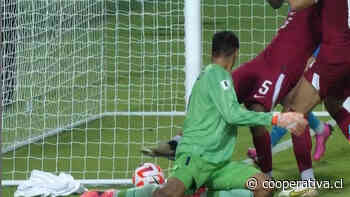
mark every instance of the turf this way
{"type": "Point", "coordinates": [333, 166]}
{"type": "Point", "coordinates": [109, 147]}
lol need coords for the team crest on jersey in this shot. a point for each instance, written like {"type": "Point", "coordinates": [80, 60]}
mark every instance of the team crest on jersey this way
{"type": "Point", "coordinates": [225, 84]}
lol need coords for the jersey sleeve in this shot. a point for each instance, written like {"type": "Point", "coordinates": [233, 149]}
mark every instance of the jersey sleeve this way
{"type": "Point", "coordinates": [223, 95]}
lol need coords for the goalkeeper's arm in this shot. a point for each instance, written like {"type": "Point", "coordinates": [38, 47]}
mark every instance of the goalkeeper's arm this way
{"type": "Point", "coordinates": [223, 95]}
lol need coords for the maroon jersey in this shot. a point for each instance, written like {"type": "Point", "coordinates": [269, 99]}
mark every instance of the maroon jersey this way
{"type": "Point", "coordinates": [330, 73]}
{"type": "Point", "coordinates": [330, 79]}
{"type": "Point", "coordinates": [297, 37]}
{"type": "Point", "coordinates": [274, 72]}
{"type": "Point", "coordinates": [335, 29]}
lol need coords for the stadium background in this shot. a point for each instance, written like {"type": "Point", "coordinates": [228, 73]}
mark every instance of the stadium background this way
{"type": "Point", "coordinates": [109, 147]}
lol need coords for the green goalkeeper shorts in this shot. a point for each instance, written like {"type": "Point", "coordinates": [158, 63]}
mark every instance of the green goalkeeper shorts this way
{"type": "Point", "coordinates": [194, 172]}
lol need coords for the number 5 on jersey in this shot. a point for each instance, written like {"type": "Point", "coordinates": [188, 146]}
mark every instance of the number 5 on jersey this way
{"type": "Point", "coordinates": [264, 89]}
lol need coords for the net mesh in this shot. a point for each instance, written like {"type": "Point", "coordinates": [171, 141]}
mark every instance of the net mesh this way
{"type": "Point", "coordinates": [69, 66]}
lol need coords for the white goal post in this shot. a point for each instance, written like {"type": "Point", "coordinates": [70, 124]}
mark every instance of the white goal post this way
{"type": "Point", "coordinates": [87, 83]}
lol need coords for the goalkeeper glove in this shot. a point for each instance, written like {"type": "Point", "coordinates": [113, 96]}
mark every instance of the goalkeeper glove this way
{"type": "Point", "coordinates": [293, 121]}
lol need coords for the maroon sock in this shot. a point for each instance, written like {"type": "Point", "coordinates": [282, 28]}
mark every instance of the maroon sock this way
{"type": "Point", "coordinates": [343, 120]}
{"type": "Point", "coordinates": [302, 149]}
{"type": "Point", "coordinates": [262, 145]}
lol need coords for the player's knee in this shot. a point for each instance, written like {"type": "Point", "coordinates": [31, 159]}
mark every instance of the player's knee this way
{"type": "Point", "coordinates": [259, 185]}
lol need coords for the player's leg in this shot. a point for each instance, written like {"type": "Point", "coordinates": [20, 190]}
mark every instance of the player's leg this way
{"type": "Point", "coordinates": [301, 144]}
{"type": "Point", "coordinates": [322, 130]}
{"type": "Point", "coordinates": [330, 79]}
{"type": "Point", "coordinates": [262, 143]}
{"type": "Point", "coordinates": [335, 108]}
{"type": "Point", "coordinates": [314, 123]}
{"type": "Point", "coordinates": [305, 97]}
{"type": "Point", "coordinates": [241, 179]}
{"type": "Point", "coordinates": [322, 133]}
{"type": "Point", "coordinates": [276, 135]}
{"type": "Point", "coordinates": [302, 150]}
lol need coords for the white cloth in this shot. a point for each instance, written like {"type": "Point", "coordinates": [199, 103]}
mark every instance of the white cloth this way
{"type": "Point", "coordinates": [47, 184]}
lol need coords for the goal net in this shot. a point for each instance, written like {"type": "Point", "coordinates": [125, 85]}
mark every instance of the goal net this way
{"type": "Point", "coordinates": [87, 83]}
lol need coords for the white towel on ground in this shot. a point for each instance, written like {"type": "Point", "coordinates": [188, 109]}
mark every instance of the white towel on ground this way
{"type": "Point", "coordinates": [47, 184]}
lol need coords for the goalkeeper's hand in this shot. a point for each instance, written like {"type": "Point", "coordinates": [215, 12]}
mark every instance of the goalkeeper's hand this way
{"type": "Point", "coordinates": [162, 150]}
{"type": "Point", "coordinates": [293, 121]}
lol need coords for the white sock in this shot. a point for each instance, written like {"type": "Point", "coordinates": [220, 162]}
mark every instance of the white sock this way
{"type": "Point", "coordinates": [307, 175]}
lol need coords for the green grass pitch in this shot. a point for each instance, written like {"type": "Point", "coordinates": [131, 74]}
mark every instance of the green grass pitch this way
{"type": "Point", "coordinates": [105, 148]}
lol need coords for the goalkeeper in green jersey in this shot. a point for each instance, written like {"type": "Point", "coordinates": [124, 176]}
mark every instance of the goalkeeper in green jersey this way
{"type": "Point", "coordinates": [203, 156]}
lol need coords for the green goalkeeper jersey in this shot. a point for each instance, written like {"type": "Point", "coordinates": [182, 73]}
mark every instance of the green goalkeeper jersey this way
{"type": "Point", "coordinates": [210, 127]}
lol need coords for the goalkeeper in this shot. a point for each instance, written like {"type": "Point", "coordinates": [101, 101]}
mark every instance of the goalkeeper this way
{"type": "Point", "coordinates": [203, 157]}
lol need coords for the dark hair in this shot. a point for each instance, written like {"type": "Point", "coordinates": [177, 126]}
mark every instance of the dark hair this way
{"type": "Point", "coordinates": [225, 43]}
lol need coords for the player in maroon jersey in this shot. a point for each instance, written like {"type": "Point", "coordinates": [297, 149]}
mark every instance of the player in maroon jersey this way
{"type": "Point", "coordinates": [328, 78]}
{"type": "Point", "coordinates": [266, 80]}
